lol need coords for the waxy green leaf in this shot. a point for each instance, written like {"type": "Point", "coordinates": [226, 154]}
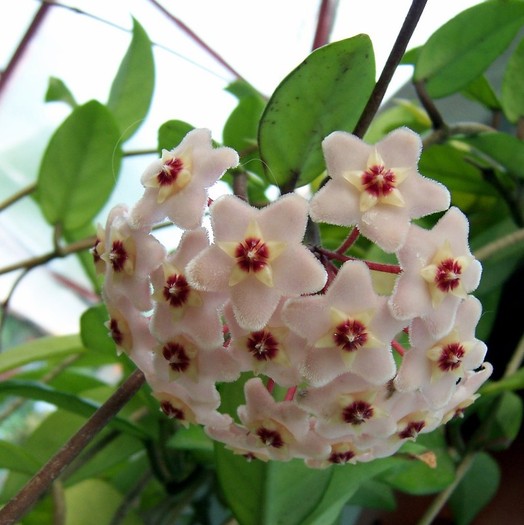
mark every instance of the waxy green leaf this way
{"type": "Point", "coordinates": [79, 167]}
{"type": "Point", "coordinates": [326, 92]}
{"type": "Point", "coordinates": [171, 133]}
{"type": "Point", "coordinates": [17, 459]}
{"type": "Point", "coordinates": [482, 480]}
{"type": "Point", "coordinates": [40, 349]}
{"type": "Point", "coordinates": [463, 48]}
{"type": "Point", "coordinates": [513, 85]}
{"type": "Point", "coordinates": [132, 88]}
{"type": "Point", "coordinates": [57, 91]}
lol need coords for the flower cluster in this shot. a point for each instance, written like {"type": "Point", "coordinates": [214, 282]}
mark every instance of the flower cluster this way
{"type": "Point", "coordinates": [336, 371]}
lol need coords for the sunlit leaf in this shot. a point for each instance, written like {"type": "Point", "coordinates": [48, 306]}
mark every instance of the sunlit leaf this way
{"type": "Point", "coordinates": [39, 350]}
{"type": "Point", "coordinates": [513, 85]}
{"type": "Point", "coordinates": [326, 92]}
{"type": "Point", "coordinates": [57, 91]}
{"type": "Point", "coordinates": [79, 167]}
{"type": "Point", "coordinates": [462, 49]}
{"type": "Point", "coordinates": [482, 480]}
{"type": "Point", "coordinates": [132, 88]}
{"type": "Point", "coordinates": [171, 133]}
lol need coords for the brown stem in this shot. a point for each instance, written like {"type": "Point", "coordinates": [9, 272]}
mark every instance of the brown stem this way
{"type": "Point", "coordinates": [17, 507]}
{"type": "Point", "coordinates": [22, 46]}
{"type": "Point", "coordinates": [197, 39]}
{"type": "Point", "coordinates": [17, 196]}
{"type": "Point", "coordinates": [326, 19]}
{"type": "Point", "coordinates": [395, 56]}
{"type": "Point", "coordinates": [436, 118]}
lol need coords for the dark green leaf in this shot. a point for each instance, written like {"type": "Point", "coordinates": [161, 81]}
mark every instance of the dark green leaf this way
{"type": "Point", "coordinates": [482, 481]}
{"type": "Point", "coordinates": [446, 164]}
{"type": "Point", "coordinates": [462, 49]}
{"type": "Point", "coordinates": [132, 88]}
{"type": "Point", "coordinates": [66, 401]}
{"type": "Point", "coordinates": [171, 133]}
{"type": "Point", "coordinates": [481, 91]}
{"type": "Point", "coordinates": [345, 481]}
{"type": "Point", "coordinates": [374, 495]}
{"type": "Point", "coordinates": [415, 477]}
{"type": "Point", "coordinates": [513, 382]}
{"type": "Point", "coordinates": [513, 85]}
{"type": "Point", "coordinates": [39, 350]}
{"type": "Point", "coordinates": [327, 92]}
{"type": "Point", "coordinates": [80, 166]}
{"type": "Point", "coordinates": [505, 150]}
{"type": "Point", "coordinates": [273, 493]}
{"type": "Point", "coordinates": [501, 417]}
{"type": "Point", "coordinates": [57, 91]}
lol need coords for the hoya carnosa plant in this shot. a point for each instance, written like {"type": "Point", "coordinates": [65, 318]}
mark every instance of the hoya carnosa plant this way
{"type": "Point", "coordinates": [330, 381]}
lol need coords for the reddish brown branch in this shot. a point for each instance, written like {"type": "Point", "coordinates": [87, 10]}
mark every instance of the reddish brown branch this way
{"type": "Point", "coordinates": [42, 480]}
{"type": "Point", "coordinates": [22, 46]}
{"type": "Point", "coordinates": [326, 19]}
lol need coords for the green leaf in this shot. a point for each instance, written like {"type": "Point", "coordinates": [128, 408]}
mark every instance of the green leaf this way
{"type": "Point", "coordinates": [57, 91]}
{"type": "Point", "coordinates": [446, 164]}
{"type": "Point", "coordinates": [39, 350]}
{"type": "Point", "coordinates": [345, 482]}
{"type": "Point", "coordinates": [66, 401]}
{"type": "Point", "coordinates": [482, 481]}
{"type": "Point", "coordinates": [415, 477]}
{"type": "Point", "coordinates": [327, 92]}
{"type": "Point", "coordinates": [171, 133]}
{"type": "Point", "coordinates": [481, 91]}
{"type": "Point", "coordinates": [241, 89]}
{"type": "Point", "coordinates": [374, 495]}
{"type": "Point", "coordinates": [94, 333]}
{"type": "Point", "coordinates": [505, 150]}
{"type": "Point", "coordinates": [240, 130]}
{"type": "Point", "coordinates": [513, 85]}
{"type": "Point", "coordinates": [95, 501]}
{"type": "Point", "coordinates": [501, 418]}
{"type": "Point", "coordinates": [270, 493]}
{"type": "Point", "coordinates": [79, 167]}
{"type": "Point", "coordinates": [132, 88]}
{"type": "Point", "coordinates": [17, 459]}
{"type": "Point", "coordinates": [513, 382]}
{"type": "Point", "coordinates": [463, 48]}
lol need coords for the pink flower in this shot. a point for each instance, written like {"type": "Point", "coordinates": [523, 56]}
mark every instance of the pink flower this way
{"type": "Point", "coordinates": [438, 271]}
{"type": "Point", "coordinates": [176, 185]}
{"type": "Point", "coordinates": [377, 188]}
{"type": "Point", "coordinates": [179, 308]}
{"type": "Point", "coordinates": [282, 427]}
{"type": "Point", "coordinates": [348, 329]}
{"type": "Point", "coordinates": [274, 351]}
{"type": "Point", "coordinates": [130, 256]}
{"type": "Point", "coordinates": [257, 258]}
{"type": "Point", "coordinates": [434, 365]}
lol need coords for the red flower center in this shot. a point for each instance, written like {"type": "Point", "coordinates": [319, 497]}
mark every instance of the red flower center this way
{"type": "Point", "coordinates": [176, 290]}
{"type": "Point", "coordinates": [118, 256]}
{"type": "Point", "coordinates": [170, 172]}
{"type": "Point", "coordinates": [271, 438]}
{"type": "Point", "coordinates": [115, 332]}
{"type": "Point", "coordinates": [412, 429]}
{"type": "Point", "coordinates": [378, 181]}
{"type": "Point", "coordinates": [357, 412]}
{"type": "Point", "coordinates": [263, 345]}
{"type": "Point", "coordinates": [176, 356]}
{"type": "Point", "coordinates": [171, 411]}
{"type": "Point", "coordinates": [451, 357]}
{"type": "Point", "coordinates": [341, 457]}
{"type": "Point", "coordinates": [350, 335]}
{"type": "Point", "coordinates": [447, 276]}
{"type": "Point", "coordinates": [252, 254]}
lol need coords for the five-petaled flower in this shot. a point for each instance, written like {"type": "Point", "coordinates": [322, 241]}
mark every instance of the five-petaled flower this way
{"type": "Point", "coordinates": [376, 188]}
{"type": "Point", "coordinates": [257, 257]}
